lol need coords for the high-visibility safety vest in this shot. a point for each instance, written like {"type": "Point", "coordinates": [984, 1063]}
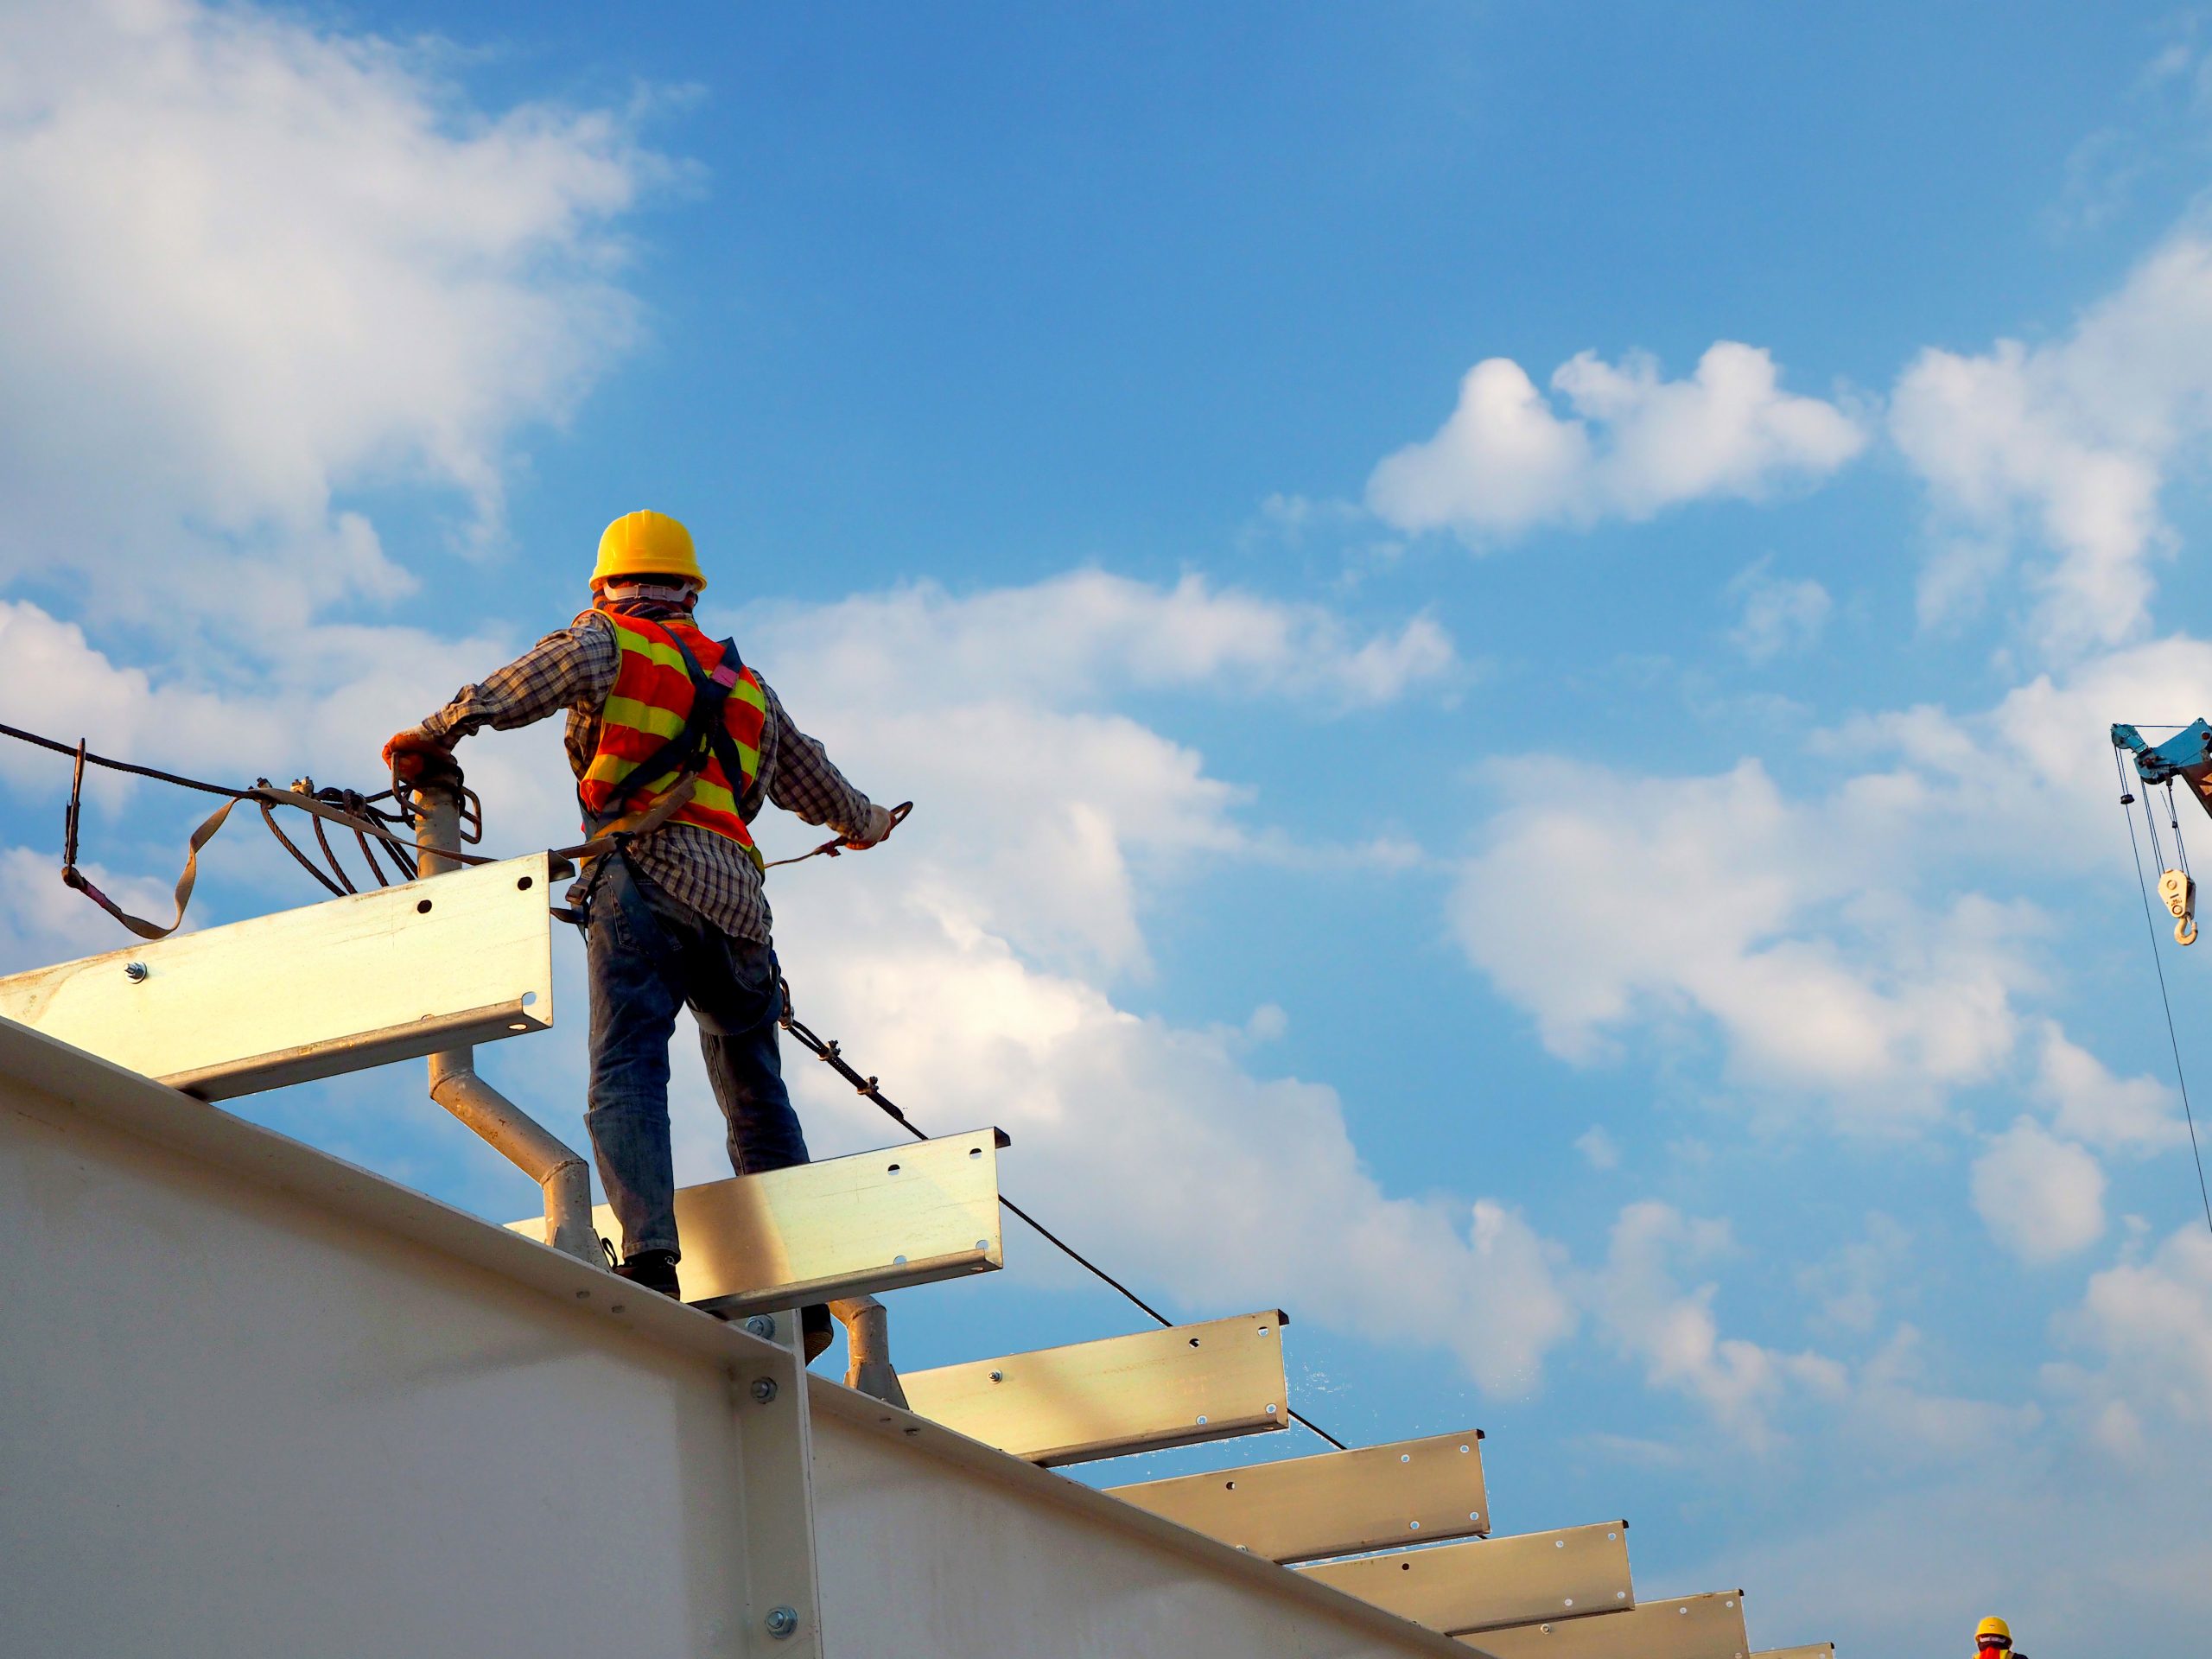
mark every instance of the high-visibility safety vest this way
{"type": "Point", "coordinates": [649, 705]}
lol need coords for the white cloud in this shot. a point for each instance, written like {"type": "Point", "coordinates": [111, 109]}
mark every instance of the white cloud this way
{"type": "Point", "coordinates": [2075, 439]}
{"type": "Point", "coordinates": [1153, 1146]}
{"type": "Point", "coordinates": [42, 922]}
{"type": "Point", "coordinates": [1077, 638]}
{"type": "Point", "coordinates": [2149, 1323]}
{"type": "Point", "coordinates": [2041, 1197]}
{"type": "Point", "coordinates": [1041, 804]}
{"type": "Point", "coordinates": [1777, 614]}
{"type": "Point", "coordinates": [2089, 1104]}
{"type": "Point", "coordinates": [1635, 444]}
{"type": "Point", "coordinates": [1598, 1147]}
{"type": "Point", "coordinates": [324, 698]}
{"type": "Point", "coordinates": [1853, 1285]}
{"type": "Point", "coordinates": [270, 262]}
{"type": "Point", "coordinates": [1598, 900]}
{"type": "Point", "coordinates": [1893, 1407]}
{"type": "Point", "coordinates": [1673, 1334]}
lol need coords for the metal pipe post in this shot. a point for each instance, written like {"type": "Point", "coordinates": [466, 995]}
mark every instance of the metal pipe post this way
{"type": "Point", "coordinates": [563, 1175]}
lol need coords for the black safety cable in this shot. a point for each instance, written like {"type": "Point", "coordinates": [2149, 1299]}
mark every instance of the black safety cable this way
{"type": "Point", "coordinates": [2173, 1036]}
{"type": "Point", "coordinates": [72, 749]}
{"type": "Point", "coordinates": [826, 1050]}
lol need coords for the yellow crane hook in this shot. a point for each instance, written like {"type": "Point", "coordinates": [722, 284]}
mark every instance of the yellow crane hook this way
{"type": "Point", "coordinates": [2179, 889]}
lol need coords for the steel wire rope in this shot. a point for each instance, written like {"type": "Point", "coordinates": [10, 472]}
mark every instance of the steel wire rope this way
{"type": "Point", "coordinates": [2173, 1035]}
{"type": "Point", "coordinates": [828, 1051]}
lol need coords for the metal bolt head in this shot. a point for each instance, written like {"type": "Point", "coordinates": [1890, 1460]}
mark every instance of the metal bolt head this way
{"type": "Point", "coordinates": [134, 972]}
{"type": "Point", "coordinates": [764, 1389]}
{"type": "Point", "coordinates": [782, 1622]}
{"type": "Point", "coordinates": [762, 1326]}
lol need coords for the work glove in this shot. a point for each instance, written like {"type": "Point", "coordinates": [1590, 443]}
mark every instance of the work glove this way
{"type": "Point", "coordinates": [879, 822]}
{"type": "Point", "coordinates": [414, 754]}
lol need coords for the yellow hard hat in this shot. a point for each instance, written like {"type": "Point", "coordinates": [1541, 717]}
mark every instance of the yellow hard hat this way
{"type": "Point", "coordinates": [1993, 1627]}
{"type": "Point", "coordinates": [646, 544]}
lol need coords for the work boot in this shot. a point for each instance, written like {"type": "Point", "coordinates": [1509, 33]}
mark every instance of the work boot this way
{"type": "Point", "coordinates": [813, 1330]}
{"type": "Point", "coordinates": [654, 1270]}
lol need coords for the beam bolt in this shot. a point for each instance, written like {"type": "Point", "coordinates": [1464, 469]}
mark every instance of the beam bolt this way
{"type": "Point", "coordinates": [134, 972]}
{"type": "Point", "coordinates": [764, 1389]}
{"type": "Point", "coordinates": [762, 1326]}
{"type": "Point", "coordinates": [781, 1622]}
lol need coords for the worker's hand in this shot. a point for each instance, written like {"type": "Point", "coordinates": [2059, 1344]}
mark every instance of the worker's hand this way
{"type": "Point", "coordinates": [881, 821]}
{"type": "Point", "coordinates": [414, 754]}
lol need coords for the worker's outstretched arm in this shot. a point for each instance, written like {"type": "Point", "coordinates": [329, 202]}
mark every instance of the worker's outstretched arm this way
{"type": "Point", "coordinates": [804, 783]}
{"type": "Point", "coordinates": [573, 668]}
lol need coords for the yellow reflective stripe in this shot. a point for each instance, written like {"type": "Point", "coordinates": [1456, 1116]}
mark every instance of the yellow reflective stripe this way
{"type": "Point", "coordinates": [746, 692]}
{"type": "Point", "coordinates": [611, 769]}
{"type": "Point", "coordinates": [714, 797]}
{"type": "Point", "coordinates": [652, 650]}
{"type": "Point", "coordinates": [648, 717]}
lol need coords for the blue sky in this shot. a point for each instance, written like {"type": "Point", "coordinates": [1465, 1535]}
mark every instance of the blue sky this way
{"type": "Point", "coordinates": [1501, 619]}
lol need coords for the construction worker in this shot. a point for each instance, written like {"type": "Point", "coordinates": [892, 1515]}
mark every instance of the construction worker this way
{"type": "Point", "coordinates": [676, 916]}
{"type": "Point", "coordinates": [1992, 1639]}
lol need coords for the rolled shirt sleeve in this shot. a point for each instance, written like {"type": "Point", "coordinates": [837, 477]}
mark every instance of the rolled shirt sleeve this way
{"type": "Point", "coordinates": [573, 669]}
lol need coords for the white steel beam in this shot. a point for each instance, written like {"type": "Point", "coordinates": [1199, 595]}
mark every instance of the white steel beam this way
{"type": "Point", "coordinates": [359, 982]}
{"type": "Point", "coordinates": [1688, 1627]}
{"type": "Point", "coordinates": [1337, 1503]}
{"type": "Point", "coordinates": [1158, 1389]}
{"type": "Point", "coordinates": [877, 1221]}
{"type": "Point", "coordinates": [1807, 1651]}
{"type": "Point", "coordinates": [1476, 1585]}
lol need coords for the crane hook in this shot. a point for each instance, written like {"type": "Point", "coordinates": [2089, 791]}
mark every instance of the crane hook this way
{"type": "Point", "coordinates": [2179, 889]}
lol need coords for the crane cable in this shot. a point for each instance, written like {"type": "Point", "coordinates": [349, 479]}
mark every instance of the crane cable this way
{"type": "Point", "coordinates": [2173, 1036]}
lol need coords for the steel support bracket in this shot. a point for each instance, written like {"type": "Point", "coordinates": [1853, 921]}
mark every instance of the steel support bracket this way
{"type": "Point", "coordinates": [1337, 1503]}
{"type": "Point", "coordinates": [1688, 1627]}
{"type": "Point", "coordinates": [1142, 1393]}
{"type": "Point", "coordinates": [1573, 1574]}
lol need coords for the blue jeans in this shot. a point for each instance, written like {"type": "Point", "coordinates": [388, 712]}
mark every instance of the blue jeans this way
{"type": "Point", "coordinates": [649, 956]}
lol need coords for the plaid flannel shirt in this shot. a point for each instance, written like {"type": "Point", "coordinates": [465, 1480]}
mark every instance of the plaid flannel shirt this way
{"type": "Point", "coordinates": [575, 669]}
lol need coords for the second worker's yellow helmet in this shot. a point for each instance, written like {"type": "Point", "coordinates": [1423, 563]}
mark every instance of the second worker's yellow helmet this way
{"type": "Point", "coordinates": [1993, 1627]}
{"type": "Point", "coordinates": [646, 544]}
